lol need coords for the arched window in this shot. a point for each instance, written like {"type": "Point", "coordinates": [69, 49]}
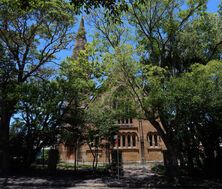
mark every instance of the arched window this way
{"type": "Point", "coordinates": [128, 140]}
{"type": "Point", "coordinates": [153, 139]}
{"type": "Point", "coordinates": [134, 140]}
{"type": "Point", "coordinates": [131, 120]}
{"type": "Point", "coordinates": [123, 140]}
{"type": "Point", "coordinates": [122, 121]}
{"type": "Point", "coordinates": [150, 139]}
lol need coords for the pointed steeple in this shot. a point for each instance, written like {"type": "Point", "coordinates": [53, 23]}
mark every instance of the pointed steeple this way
{"type": "Point", "coordinates": [80, 40]}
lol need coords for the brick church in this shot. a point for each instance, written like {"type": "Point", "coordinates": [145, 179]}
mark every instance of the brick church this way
{"type": "Point", "coordinates": [137, 140]}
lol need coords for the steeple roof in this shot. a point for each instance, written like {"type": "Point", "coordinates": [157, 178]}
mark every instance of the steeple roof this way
{"type": "Point", "coordinates": [80, 40]}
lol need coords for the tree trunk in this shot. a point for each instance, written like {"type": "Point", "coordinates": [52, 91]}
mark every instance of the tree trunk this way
{"type": "Point", "coordinates": [4, 141]}
{"type": "Point", "coordinates": [30, 157]}
{"type": "Point", "coordinates": [171, 161]}
{"type": "Point", "coordinates": [190, 161]}
{"type": "Point", "coordinates": [171, 156]}
{"type": "Point", "coordinates": [93, 154]}
{"type": "Point", "coordinates": [96, 158]}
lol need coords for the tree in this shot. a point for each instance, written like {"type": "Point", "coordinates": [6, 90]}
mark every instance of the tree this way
{"type": "Point", "coordinates": [110, 5]}
{"type": "Point", "coordinates": [185, 110]}
{"type": "Point", "coordinates": [192, 106]}
{"type": "Point", "coordinates": [79, 75]}
{"type": "Point", "coordinates": [168, 42]}
{"type": "Point", "coordinates": [171, 34]}
{"type": "Point", "coordinates": [31, 39]}
{"type": "Point", "coordinates": [72, 136]}
{"type": "Point", "coordinates": [38, 119]}
{"type": "Point", "coordinates": [49, 111]}
{"type": "Point", "coordinates": [165, 49]}
{"type": "Point", "coordinates": [101, 127]}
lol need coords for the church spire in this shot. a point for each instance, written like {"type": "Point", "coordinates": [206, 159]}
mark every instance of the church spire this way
{"type": "Point", "coordinates": [80, 40]}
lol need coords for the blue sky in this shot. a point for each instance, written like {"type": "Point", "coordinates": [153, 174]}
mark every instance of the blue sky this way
{"type": "Point", "coordinates": [212, 7]}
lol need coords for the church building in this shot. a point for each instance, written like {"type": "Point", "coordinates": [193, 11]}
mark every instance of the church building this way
{"type": "Point", "coordinates": [137, 140]}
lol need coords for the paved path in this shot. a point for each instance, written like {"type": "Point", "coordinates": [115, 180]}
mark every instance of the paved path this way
{"type": "Point", "coordinates": [133, 178]}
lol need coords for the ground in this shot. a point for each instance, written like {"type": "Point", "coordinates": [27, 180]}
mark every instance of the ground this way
{"type": "Point", "coordinates": [134, 177]}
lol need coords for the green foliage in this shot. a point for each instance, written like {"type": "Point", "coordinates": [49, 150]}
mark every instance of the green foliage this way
{"type": "Point", "coordinates": [30, 38]}
{"type": "Point", "coordinates": [176, 37]}
{"type": "Point", "coordinates": [166, 76]}
{"type": "Point", "coordinates": [38, 119]}
{"type": "Point", "coordinates": [190, 106]}
{"type": "Point", "coordinates": [198, 88]}
{"type": "Point", "coordinates": [55, 110]}
{"type": "Point", "coordinates": [158, 169]}
{"type": "Point", "coordinates": [202, 39]}
{"type": "Point", "coordinates": [179, 97]}
{"type": "Point", "coordinates": [101, 127]}
{"type": "Point", "coordinates": [101, 120]}
{"type": "Point", "coordinates": [33, 36]}
{"type": "Point", "coordinates": [112, 7]}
